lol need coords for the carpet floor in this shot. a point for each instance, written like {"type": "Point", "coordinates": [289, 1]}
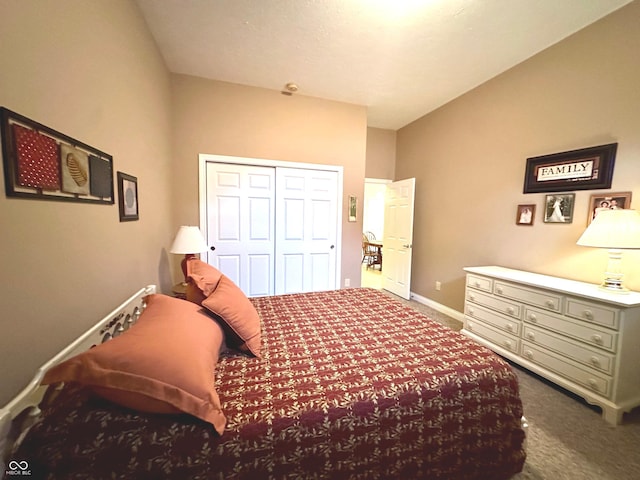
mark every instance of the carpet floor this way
{"type": "Point", "coordinates": [567, 438]}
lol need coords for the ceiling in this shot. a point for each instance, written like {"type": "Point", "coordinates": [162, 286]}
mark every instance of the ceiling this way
{"type": "Point", "coordinates": [400, 58]}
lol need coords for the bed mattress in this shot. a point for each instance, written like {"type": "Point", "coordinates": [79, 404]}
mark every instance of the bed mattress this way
{"type": "Point", "coordinates": [352, 384]}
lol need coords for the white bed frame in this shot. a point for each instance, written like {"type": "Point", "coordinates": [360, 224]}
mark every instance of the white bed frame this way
{"type": "Point", "coordinates": [17, 416]}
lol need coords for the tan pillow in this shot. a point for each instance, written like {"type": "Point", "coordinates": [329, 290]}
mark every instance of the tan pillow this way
{"type": "Point", "coordinates": [165, 363]}
{"type": "Point", "coordinates": [202, 280]}
{"type": "Point", "coordinates": [229, 304]}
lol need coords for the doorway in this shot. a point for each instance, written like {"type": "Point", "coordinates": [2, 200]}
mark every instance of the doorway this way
{"type": "Point", "coordinates": [373, 206]}
{"type": "Point", "coordinates": [373, 225]}
{"type": "Point", "coordinates": [388, 214]}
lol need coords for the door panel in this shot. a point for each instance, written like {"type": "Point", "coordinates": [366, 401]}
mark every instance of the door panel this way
{"type": "Point", "coordinates": [240, 219]}
{"type": "Point", "coordinates": [292, 274]}
{"type": "Point", "coordinates": [320, 271]}
{"type": "Point", "coordinates": [293, 219]}
{"type": "Point", "coordinates": [230, 266]}
{"type": "Point", "coordinates": [398, 237]}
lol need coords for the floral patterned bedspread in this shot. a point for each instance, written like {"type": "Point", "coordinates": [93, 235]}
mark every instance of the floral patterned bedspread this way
{"type": "Point", "coordinates": [352, 384]}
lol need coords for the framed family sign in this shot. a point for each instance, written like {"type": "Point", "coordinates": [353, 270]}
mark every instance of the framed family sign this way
{"type": "Point", "coordinates": [585, 169]}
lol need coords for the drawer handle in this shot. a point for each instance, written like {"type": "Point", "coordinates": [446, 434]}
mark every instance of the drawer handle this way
{"type": "Point", "coordinates": [470, 325]}
{"type": "Point", "coordinates": [472, 296]}
{"type": "Point", "coordinates": [597, 339]}
{"type": "Point", "coordinates": [595, 361]}
{"type": "Point", "coordinates": [550, 303]}
{"type": "Point", "coordinates": [499, 290]}
{"type": "Point", "coordinates": [511, 310]}
{"type": "Point", "coordinates": [507, 344]}
{"type": "Point", "coordinates": [510, 327]}
{"type": "Point", "coordinates": [593, 384]}
{"type": "Point", "coordinates": [471, 311]}
{"type": "Point", "coordinates": [528, 353]}
{"type": "Point", "coordinates": [533, 317]}
{"type": "Point", "coordinates": [476, 284]}
{"type": "Point", "coordinates": [588, 314]}
{"type": "Point", "coordinates": [531, 336]}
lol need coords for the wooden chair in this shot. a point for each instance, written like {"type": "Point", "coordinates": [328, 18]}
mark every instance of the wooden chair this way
{"type": "Point", "coordinates": [371, 253]}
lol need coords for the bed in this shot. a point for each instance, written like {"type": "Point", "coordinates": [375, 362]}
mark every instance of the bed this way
{"type": "Point", "coordinates": [346, 384]}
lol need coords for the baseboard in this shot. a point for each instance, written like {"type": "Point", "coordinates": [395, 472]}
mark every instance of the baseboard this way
{"type": "Point", "coordinates": [456, 315]}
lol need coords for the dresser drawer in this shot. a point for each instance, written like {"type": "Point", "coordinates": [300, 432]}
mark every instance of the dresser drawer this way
{"type": "Point", "coordinates": [479, 283]}
{"type": "Point", "coordinates": [539, 298]}
{"type": "Point", "coordinates": [504, 306]}
{"type": "Point", "coordinates": [580, 331]}
{"type": "Point", "coordinates": [497, 337]}
{"type": "Point", "coordinates": [593, 312]}
{"type": "Point", "coordinates": [590, 357]}
{"type": "Point", "coordinates": [503, 322]}
{"type": "Point", "coordinates": [588, 378]}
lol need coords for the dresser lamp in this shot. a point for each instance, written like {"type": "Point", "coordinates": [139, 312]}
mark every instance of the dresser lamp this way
{"type": "Point", "coordinates": [615, 230]}
{"type": "Point", "coordinates": [189, 241]}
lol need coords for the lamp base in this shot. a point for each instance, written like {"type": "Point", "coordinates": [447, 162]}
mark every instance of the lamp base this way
{"type": "Point", "coordinates": [613, 285]}
{"type": "Point", "coordinates": [613, 276]}
{"type": "Point", "coordinates": [183, 265]}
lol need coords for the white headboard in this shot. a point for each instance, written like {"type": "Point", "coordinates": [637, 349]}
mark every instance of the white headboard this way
{"type": "Point", "coordinates": [17, 416]}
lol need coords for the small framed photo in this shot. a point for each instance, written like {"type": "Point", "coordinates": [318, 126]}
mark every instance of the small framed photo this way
{"type": "Point", "coordinates": [608, 201]}
{"type": "Point", "coordinates": [127, 197]}
{"type": "Point", "coordinates": [353, 208]}
{"type": "Point", "coordinates": [559, 208]}
{"type": "Point", "coordinates": [525, 214]}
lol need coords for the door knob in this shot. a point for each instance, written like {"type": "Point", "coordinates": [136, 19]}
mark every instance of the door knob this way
{"type": "Point", "coordinates": [212, 248]}
{"type": "Point", "coordinates": [332, 247]}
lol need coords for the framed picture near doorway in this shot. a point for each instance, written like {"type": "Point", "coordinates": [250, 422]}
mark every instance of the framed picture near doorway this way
{"type": "Point", "coordinates": [353, 208]}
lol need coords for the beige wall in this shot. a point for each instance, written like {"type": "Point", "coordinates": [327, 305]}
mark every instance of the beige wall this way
{"type": "Point", "coordinates": [469, 157]}
{"type": "Point", "coordinates": [226, 119]}
{"type": "Point", "coordinates": [91, 71]}
{"type": "Point", "coordinates": [381, 153]}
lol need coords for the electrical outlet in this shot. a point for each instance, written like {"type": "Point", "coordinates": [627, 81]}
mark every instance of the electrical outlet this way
{"type": "Point", "coordinates": [438, 286]}
{"type": "Point", "coordinates": [347, 282]}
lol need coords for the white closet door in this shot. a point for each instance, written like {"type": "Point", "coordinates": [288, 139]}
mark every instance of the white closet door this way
{"type": "Point", "coordinates": [306, 229]}
{"type": "Point", "coordinates": [240, 221]}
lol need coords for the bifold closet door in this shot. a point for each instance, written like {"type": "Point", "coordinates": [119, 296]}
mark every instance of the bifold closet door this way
{"type": "Point", "coordinates": [240, 224]}
{"type": "Point", "coordinates": [306, 230]}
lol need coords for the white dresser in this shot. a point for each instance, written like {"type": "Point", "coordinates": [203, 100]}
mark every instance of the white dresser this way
{"type": "Point", "coordinates": [572, 333]}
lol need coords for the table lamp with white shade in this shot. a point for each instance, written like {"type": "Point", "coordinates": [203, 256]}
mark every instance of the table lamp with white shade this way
{"type": "Point", "coordinates": [615, 230]}
{"type": "Point", "coordinates": [189, 241]}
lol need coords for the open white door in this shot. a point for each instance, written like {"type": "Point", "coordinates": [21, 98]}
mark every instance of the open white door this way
{"type": "Point", "coordinates": [398, 237]}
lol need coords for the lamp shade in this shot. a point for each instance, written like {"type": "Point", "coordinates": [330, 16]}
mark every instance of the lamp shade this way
{"type": "Point", "coordinates": [189, 240]}
{"type": "Point", "coordinates": [615, 229]}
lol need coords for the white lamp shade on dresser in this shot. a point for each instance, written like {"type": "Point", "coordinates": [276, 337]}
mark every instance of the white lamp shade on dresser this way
{"type": "Point", "coordinates": [617, 229]}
